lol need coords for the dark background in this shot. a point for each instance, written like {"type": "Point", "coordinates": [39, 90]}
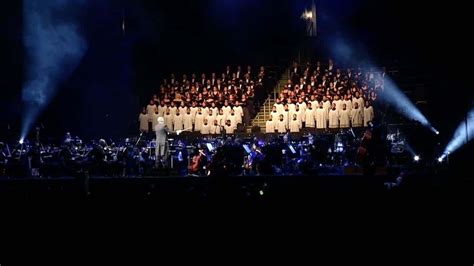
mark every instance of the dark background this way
{"type": "Point", "coordinates": [119, 72]}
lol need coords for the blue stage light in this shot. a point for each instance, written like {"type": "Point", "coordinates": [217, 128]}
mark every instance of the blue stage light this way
{"type": "Point", "coordinates": [463, 134]}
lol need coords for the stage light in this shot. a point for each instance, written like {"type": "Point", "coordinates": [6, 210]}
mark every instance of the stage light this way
{"type": "Point", "coordinates": [261, 192]}
{"type": "Point", "coordinates": [416, 158]}
{"type": "Point", "coordinates": [21, 141]}
{"type": "Point", "coordinates": [308, 15]}
{"type": "Point", "coordinates": [440, 159]}
{"type": "Point", "coordinates": [463, 134]}
{"type": "Point", "coordinates": [394, 96]}
{"type": "Point", "coordinates": [53, 47]}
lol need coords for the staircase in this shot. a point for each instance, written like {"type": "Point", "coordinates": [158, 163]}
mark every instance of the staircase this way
{"type": "Point", "coordinates": [266, 108]}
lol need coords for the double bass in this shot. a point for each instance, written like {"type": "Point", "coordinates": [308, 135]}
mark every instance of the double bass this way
{"type": "Point", "coordinates": [196, 162]}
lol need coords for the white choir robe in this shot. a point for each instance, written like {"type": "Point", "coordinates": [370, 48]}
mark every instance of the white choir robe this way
{"type": "Point", "coordinates": [169, 121]}
{"type": "Point", "coordinates": [309, 118]}
{"type": "Point", "coordinates": [270, 126]}
{"type": "Point", "coordinates": [150, 110]}
{"type": "Point", "coordinates": [298, 117]}
{"type": "Point", "coordinates": [275, 116]}
{"type": "Point", "coordinates": [173, 111]}
{"type": "Point", "coordinates": [321, 118]}
{"type": "Point", "coordinates": [294, 126]}
{"type": "Point", "coordinates": [143, 119]}
{"type": "Point", "coordinates": [360, 101]}
{"type": "Point", "coordinates": [229, 129]}
{"type": "Point", "coordinates": [211, 118]}
{"type": "Point", "coordinates": [188, 121]}
{"type": "Point", "coordinates": [368, 115]}
{"type": "Point", "coordinates": [215, 110]}
{"type": "Point", "coordinates": [221, 119]}
{"type": "Point", "coordinates": [357, 117]}
{"type": "Point", "coordinates": [291, 107]}
{"type": "Point", "coordinates": [348, 104]}
{"type": "Point", "coordinates": [280, 108]}
{"type": "Point", "coordinates": [327, 106]}
{"type": "Point", "coordinates": [315, 104]}
{"type": "Point", "coordinates": [215, 130]}
{"type": "Point", "coordinates": [226, 110]}
{"type": "Point", "coordinates": [233, 120]}
{"type": "Point", "coordinates": [303, 107]}
{"type": "Point", "coordinates": [205, 111]}
{"type": "Point", "coordinates": [182, 110]}
{"type": "Point", "coordinates": [205, 129]}
{"type": "Point", "coordinates": [333, 118]}
{"type": "Point", "coordinates": [339, 104]}
{"type": "Point", "coordinates": [198, 121]}
{"type": "Point", "coordinates": [344, 118]}
{"type": "Point", "coordinates": [194, 111]}
{"type": "Point", "coordinates": [286, 118]}
{"type": "Point", "coordinates": [239, 113]}
{"type": "Point", "coordinates": [161, 110]}
{"type": "Point", "coordinates": [281, 126]}
{"type": "Point", "coordinates": [178, 122]}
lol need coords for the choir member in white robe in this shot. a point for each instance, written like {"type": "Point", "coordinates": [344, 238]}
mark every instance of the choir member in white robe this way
{"type": "Point", "coordinates": [226, 109]}
{"type": "Point", "coordinates": [326, 105]}
{"type": "Point", "coordinates": [150, 110]}
{"type": "Point", "coordinates": [291, 106]}
{"type": "Point", "coordinates": [368, 113]}
{"type": "Point", "coordinates": [359, 100]}
{"type": "Point", "coordinates": [214, 109]}
{"type": "Point", "coordinates": [348, 103]}
{"type": "Point", "coordinates": [309, 117]}
{"type": "Point", "coordinates": [298, 114]}
{"type": "Point", "coordinates": [168, 120]}
{"type": "Point", "coordinates": [154, 121]}
{"type": "Point", "coordinates": [198, 120]}
{"type": "Point", "coordinates": [239, 112]}
{"type": "Point", "coordinates": [178, 121]}
{"type": "Point", "coordinates": [275, 115]}
{"type": "Point", "coordinates": [143, 120]}
{"type": "Point", "coordinates": [344, 117]}
{"type": "Point", "coordinates": [357, 116]}
{"type": "Point", "coordinates": [173, 109]}
{"type": "Point", "coordinates": [229, 129]}
{"type": "Point", "coordinates": [279, 106]}
{"type": "Point", "coordinates": [294, 124]}
{"type": "Point", "coordinates": [215, 128]}
{"type": "Point", "coordinates": [205, 128]}
{"type": "Point", "coordinates": [221, 118]}
{"type": "Point", "coordinates": [338, 103]}
{"type": "Point", "coordinates": [233, 119]}
{"type": "Point", "coordinates": [161, 109]}
{"type": "Point", "coordinates": [333, 117]}
{"type": "Point", "coordinates": [211, 116]}
{"type": "Point", "coordinates": [194, 110]}
{"type": "Point", "coordinates": [281, 125]}
{"type": "Point", "coordinates": [321, 117]}
{"type": "Point", "coordinates": [182, 108]}
{"type": "Point", "coordinates": [286, 116]}
{"type": "Point", "coordinates": [270, 125]}
{"type": "Point", "coordinates": [205, 111]}
{"type": "Point", "coordinates": [302, 105]}
{"type": "Point", "coordinates": [188, 120]}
